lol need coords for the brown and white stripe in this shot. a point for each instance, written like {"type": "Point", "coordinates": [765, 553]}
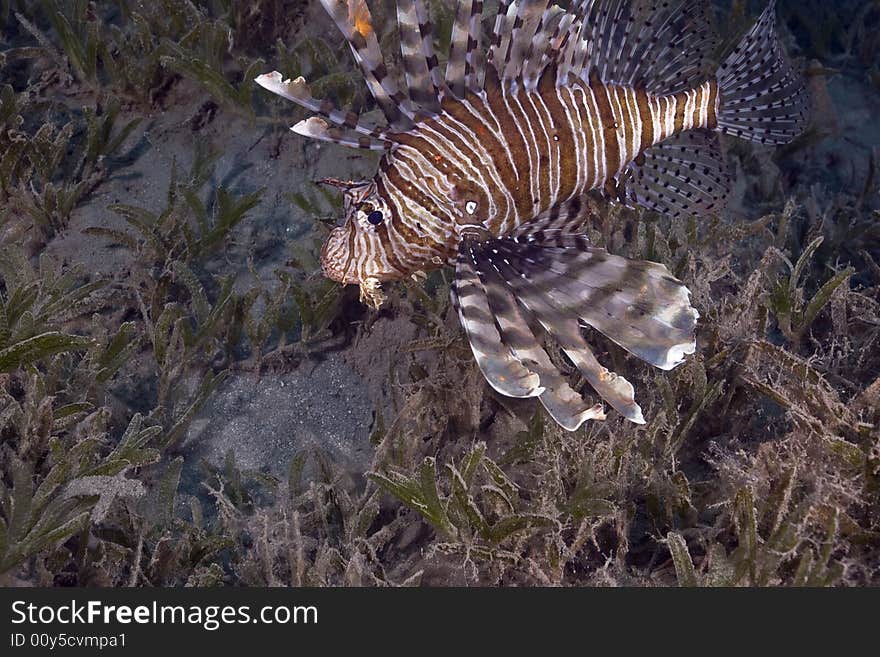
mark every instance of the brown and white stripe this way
{"type": "Point", "coordinates": [515, 154]}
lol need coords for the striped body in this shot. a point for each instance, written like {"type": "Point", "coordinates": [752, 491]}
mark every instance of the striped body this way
{"type": "Point", "coordinates": [498, 159]}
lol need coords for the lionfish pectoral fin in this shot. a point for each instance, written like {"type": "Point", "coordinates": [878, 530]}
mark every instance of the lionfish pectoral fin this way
{"type": "Point", "coordinates": [319, 129]}
{"type": "Point", "coordinates": [501, 368]}
{"type": "Point", "coordinates": [563, 404]}
{"type": "Point", "coordinates": [297, 91]}
{"type": "Point", "coordinates": [560, 323]}
{"type": "Point", "coordinates": [637, 304]}
{"type": "Point", "coordinates": [684, 175]}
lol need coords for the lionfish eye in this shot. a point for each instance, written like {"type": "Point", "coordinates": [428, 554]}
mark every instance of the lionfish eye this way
{"type": "Point", "coordinates": [375, 217]}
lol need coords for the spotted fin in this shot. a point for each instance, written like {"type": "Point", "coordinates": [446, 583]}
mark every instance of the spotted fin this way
{"type": "Point", "coordinates": [526, 23]}
{"type": "Point", "coordinates": [501, 31]}
{"type": "Point", "coordinates": [762, 97]}
{"type": "Point", "coordinates": [684, 175]}
{"type": "Point", "coordinates": [475, 57]}
{"type": "Point", "coordinates": [662, 47]}
{"type": "Point", "coordinates": [461, 42]}
{"type": "Point", "coordinates": [545, 43]}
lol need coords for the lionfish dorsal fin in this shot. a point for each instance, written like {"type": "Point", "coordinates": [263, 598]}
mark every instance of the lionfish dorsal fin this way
{"type": "Point", "coordinates": [298, 91]}
{"type": "Point", "coordinates": [563, 31]}
{"type": "Point", "coordinates": [417, 51]}
{"type": "Point", "coordinates": [458, 47]}
{"type": "Point", "coordinates": [546, 33]}
{"type": "Point", "coordinates": [573, 49]}
{"type": "Point", "coordinates": [491, 81]}
{"type": "Point", "coordinates": [354, 20]}
{"type": "Point", "coordinates": [526, 23]}
{"type": "Point", "coordinates": [547, 81]}
{"type": "Point", "coordinates": [317, 128]}
{"type": "Point", "coordinates": [464, 68]}
{"type": "Point", "coordinates": [475, 57]}
{"type": "Point", "coordinates": [500, 39]}
{"type": "Point", "coordinates": [663, 47]}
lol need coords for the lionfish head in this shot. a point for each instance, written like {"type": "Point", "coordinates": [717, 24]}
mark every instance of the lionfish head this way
{"type": "Point", "coordinates": [356, 251]}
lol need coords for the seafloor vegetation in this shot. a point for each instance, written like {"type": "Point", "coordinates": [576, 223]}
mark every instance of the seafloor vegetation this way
{"type": "Point", "coordinates": [159, 231]}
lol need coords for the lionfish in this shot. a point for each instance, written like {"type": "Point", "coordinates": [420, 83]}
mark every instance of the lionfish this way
{"type": "Point", "coordinates": [487, 166]}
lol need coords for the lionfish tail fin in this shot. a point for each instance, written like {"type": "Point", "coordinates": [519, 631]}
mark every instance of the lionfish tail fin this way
{"type": "Point", "coordinates": [762, 98]}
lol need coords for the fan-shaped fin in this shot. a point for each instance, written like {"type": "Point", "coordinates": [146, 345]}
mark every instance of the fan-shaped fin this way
{"type": "Point", "coordinates": [663, 47]}
{"type": "Point", "coordinates": [637, 304]}
{"type": "Point", "coordinates": [763, 98]}
{"type": "Point", "coordinates": [562, 325]}
{"type": "Point", "coordinates": [563, 404]}
{"type": "Point", "coordinates": [500, 367]}
{"type": "Point", "coordinates": [525, 25]}
{"type": "Point", "coordinates": [684, 175]}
